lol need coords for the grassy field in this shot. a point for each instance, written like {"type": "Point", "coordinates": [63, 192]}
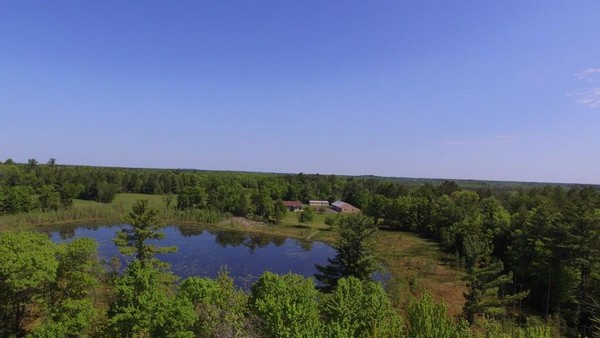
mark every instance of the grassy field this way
{"type": "Point", "coordinates": [125, 201]}
{"type": "Point", "coordinates": [414, 264]}
{"type": "Point", "coordinates": [291, 218]}
{"type": "Point", "coordinates": [82, 211]}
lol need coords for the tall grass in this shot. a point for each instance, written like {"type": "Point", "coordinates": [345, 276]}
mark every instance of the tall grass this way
{"type": "Point", "coordinates": [194, 216]}
{"type": "Point", "coordinates": [88, 211]}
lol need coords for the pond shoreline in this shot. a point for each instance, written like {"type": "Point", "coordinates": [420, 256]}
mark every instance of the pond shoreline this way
{"type": "Point", "coordinates": [205, 250]}
{"type": "Point", "coordinates": [233, 223]}
{"type": "Point", "coordinates": [423, 267]}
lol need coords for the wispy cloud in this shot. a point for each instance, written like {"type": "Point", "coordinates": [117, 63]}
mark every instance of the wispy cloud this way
{"type": "Point", "coordinates": [590, 75]}
{"type": "Point", "coordinates": [589, 97]}
{"type": "Point", "coordinates": [500, 139]}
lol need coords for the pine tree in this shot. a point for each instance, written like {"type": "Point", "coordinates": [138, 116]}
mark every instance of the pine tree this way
{"type": "Point", "coordinates": [485, 279]}
{"type": "Point", "coordinates": [580, 247]}
{"type": "Point", "coordinates": [355, 253]}
{"type": "Point", "coordinates": [134, 240]}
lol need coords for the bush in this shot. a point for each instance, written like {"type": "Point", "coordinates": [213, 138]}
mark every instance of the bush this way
{"type": "Point", "coordinates": [286, 305]}
{"type": "Point", "coordinates": [357, 309]}
{"type": "Point", "coordinates": [221, 309]}
{"type": "Point", "coordinates": [428, 319]}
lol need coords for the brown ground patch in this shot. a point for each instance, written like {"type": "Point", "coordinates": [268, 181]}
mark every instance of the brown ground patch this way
{"type": "Point", "coordinates": [417, 265]}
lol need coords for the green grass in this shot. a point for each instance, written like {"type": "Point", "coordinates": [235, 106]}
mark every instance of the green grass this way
{"type": "Point", "coordinates": [84, 204]}
{"type": "Point", "coordinates": [417, 264]}
{"type": "Point", "coordinates": [90, 211]}
{"type": "Point", "coordinates": [291, 219]}
{"type": "Point", "coordinates": [125, 200]}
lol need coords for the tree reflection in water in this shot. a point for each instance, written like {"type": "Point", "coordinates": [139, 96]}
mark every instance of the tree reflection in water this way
{"type": "Point", "coordinates": [203, 250]}
{"type": "Point", "coordinates": [66, 232]}
{"type": "Point", "coordinates": [190, 230]}
{"type": "Point", "coordinates": [251, 241]}
{"type": "Point", "coordinates": [304, 244]}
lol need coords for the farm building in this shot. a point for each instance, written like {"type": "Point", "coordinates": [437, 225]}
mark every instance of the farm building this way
{"type": "Point", "coordinates": [319, 203]}
{"type": "Point", "coordinates": [341, 206]}
{"type": "Point", "coordinates": [293, 205]}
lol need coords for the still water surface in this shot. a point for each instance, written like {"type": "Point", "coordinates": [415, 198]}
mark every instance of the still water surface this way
{"type": "Point", "coordinates": [203, 251]}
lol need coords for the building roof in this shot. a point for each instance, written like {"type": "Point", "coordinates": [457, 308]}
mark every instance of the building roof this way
{"type": "Point", "coordinates": [292, 203]}
{"type": "Point", "coordinates": [341, 204]}
{"type": "Point", "coordinates": [314, 201]}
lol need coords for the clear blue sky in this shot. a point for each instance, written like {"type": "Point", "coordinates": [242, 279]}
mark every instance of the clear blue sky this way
{"type": "Point", "coordinates": [503, 90]}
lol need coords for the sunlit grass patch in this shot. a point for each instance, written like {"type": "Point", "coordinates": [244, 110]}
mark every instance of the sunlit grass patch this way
{"type": "Point", "coordinates": [416, 265]}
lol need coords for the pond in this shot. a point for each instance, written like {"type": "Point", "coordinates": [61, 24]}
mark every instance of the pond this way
{"type": "Point", "coordinates": [203, 251]}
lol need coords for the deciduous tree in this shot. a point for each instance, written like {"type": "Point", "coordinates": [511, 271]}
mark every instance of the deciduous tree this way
{"type": "Point", "coordinates": [360, 309]}
{"type": "Point", "coordinates": [49, 198]}
{"type": "Point", "coordinates": [286, 305]}
{"type": "Point", "coordinates": [145, 306]}
{"type": "Point", "coordinates": [221, 308]}
{"type": "Point", "coordinates": [279, 212]}
{"type": "Point", "coordinates": [306, 216]}
{"type": "Point", "coordinates": [27, 266]}
{"type": "Point", "coordinates": [70, 308]}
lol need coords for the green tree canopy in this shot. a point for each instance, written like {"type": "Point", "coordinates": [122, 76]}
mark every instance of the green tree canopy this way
{"type": "Point", "coordinates": [306, 216]}
{"type": "Point", "coordinates": [221, 308]}
{"type": "Point", "coordinates": [360, 309]}
{"type": "Point", "coordinates": [192, 197]}
{"type": "Point", "coordinates": [49, 198]}
{"type": "Point", "coordinates": [70, 307]}
{"type": "Point", "coordinates": [286, 306]}
{"type": "Point", "coordinates": [27, 266]}
{"type": "Point", "coordinates": [428, 319]}
{"type": "Point", "coordinates": [279, 211]}
{"type": "Point", "coordinates": [145, 306]}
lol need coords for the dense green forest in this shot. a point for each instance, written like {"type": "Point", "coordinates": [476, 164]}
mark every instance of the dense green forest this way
{"type": "Point", "coordinates": [531, 253]}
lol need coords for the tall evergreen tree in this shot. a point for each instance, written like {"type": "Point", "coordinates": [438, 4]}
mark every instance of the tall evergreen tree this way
{"type": "Point", "coordinates": [485, 279]}
{"type": "Point", "coordinates": [581, 239]}
{"type": "Point", "coordinates": [134, 240]}
{"type": "Point", "coordinates": [355, 253]}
